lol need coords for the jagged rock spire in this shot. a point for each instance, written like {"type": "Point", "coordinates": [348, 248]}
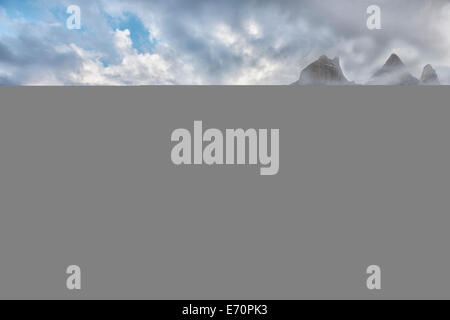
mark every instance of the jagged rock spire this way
{"type": "Point", "coordinates": [429, 76]}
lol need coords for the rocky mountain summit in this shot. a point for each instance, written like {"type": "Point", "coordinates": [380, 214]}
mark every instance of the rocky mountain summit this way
{"type": "Point", "coordinates": [429, 76]}
{"type": "Point", "coordinates": [325, 71]}
{"type": "Point", "coordinates": [393, 73]}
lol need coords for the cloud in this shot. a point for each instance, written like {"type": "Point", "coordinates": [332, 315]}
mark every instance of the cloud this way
{"type": "Point", "coordinates": [134, 68]}
{"type": "Point", "coordinates": [217, 42]}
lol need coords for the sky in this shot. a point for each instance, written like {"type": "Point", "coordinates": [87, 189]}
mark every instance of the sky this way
{"type": "Point", "coordinates": [214, 42]}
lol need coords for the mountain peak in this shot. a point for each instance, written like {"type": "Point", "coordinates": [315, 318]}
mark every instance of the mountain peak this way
{"type": "Point", "coordinates": [393, 72]}
{"type": "Point", "coordinates": [429, 76]}
{"type": "Point", "coordinates": [394, 60]}
{"type": "Point", "coordinates": [324, 58]}
{"type": "Point", "coordinates": [324, 71]}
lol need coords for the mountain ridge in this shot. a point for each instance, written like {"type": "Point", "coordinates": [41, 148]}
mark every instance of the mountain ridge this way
{"type": "Point", "coordinates": [326, 71]}
{"type": "Point", "coordinates": [323, 71]}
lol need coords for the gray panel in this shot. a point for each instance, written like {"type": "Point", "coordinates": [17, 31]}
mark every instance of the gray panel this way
{"type": "Point", "coordinates": [86, 179]}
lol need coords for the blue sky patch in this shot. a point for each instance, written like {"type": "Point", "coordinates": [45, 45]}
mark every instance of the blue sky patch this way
{"type": "Point", "coordinates": [139, 34]}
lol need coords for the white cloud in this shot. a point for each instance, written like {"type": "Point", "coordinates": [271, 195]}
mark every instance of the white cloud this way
{"type": "Point", "coordinates": [253, 29]}
{"type": "Point", "coordinates": [134, 68]}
